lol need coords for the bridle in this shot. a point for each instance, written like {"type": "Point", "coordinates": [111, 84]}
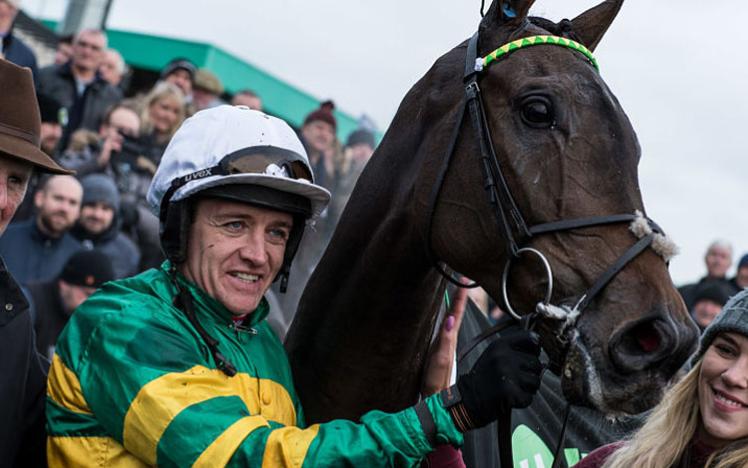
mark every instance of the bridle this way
{"type": "Point", "coordinates": [512, 225]}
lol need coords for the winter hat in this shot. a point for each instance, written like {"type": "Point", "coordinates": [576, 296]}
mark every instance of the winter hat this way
{"type": "Point", "coordinates": [361, 136]}
{"type": "Point", "coordinates": [179, 64]}
{"type": "Point", "coordinates": [733, 318]}
{"type": "Point", "coordinates": [208, 81]}
{"type": "Point", "coordinates": [323, 113]}
{"type": "Point", "coordinates": [713, 290]}
{"type": "Point", "coordinates": [90, 268]}
{"type": "Point", "coordinates": [743, 261]}
{"type": "Point", "coordinates": [51, 110]}
{"type": "Point", "coordinates": [100, 188]}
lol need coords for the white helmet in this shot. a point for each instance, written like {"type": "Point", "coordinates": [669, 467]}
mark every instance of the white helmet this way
{"type": "Point", "coordinates": [236, 153]}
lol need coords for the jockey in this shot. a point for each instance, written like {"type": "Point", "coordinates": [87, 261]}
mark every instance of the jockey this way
{"type": "Point", "coordinates": [177, 366]}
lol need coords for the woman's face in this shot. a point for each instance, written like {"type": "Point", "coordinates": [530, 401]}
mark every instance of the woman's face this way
{"type": "Point", "coordinates": [723, 390]}
{"type": "Point", "coordinates": [164, 114]}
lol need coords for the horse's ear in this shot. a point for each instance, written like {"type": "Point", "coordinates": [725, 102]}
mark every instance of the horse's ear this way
{"type": "Point", "coordinates": [506, 11]}
{"type": "Point", "coordinates": [591, 25]}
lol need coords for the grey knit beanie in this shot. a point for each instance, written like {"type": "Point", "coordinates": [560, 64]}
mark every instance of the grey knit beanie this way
{"type": "Point", "coordinates": [100, 188]}
{"type": "Point", "coordinates": [733, 318]}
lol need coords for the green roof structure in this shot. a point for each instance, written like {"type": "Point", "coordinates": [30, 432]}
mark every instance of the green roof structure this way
{"type": "Point", "coordinates": [152, 52]}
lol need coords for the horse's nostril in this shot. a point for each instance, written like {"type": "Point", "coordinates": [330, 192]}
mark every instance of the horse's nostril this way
{"type": "Point", "coordinates": [646, 337]}
{"type": "Point", "coordinates": [641, 345]}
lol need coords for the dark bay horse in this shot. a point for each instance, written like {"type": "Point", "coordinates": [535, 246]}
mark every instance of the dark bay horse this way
{"type": "Point", "coordinates": [566, 151]}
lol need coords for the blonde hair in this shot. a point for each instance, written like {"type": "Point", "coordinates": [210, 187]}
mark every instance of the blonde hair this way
{"type": "Point", "coordinates": [162, 90]}
{"type": "Point", "coordinates": [663, 439]}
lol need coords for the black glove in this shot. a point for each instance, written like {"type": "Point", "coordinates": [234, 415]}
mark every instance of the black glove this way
{"type": "Point", "coordinates": [506, 376]}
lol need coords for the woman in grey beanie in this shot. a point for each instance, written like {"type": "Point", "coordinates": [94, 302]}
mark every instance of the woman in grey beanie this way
{"type": "Point", "coordinates": [702, 421]}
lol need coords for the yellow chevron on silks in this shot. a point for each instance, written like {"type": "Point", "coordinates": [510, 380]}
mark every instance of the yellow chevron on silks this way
{"type": "Point", "coordinates": [64, 388]}
{"type": "Point", "coordinates": [161, 400]}
{"type": "Point", "coordinates": [220, 451]}
{"type": "Point", "coordinates": [288, 446]}
{"type": "Point", "coordinates": [64, 451]}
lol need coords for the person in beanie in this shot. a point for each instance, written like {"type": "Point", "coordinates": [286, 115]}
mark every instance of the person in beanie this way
{"type": "Point", "coordinates": [99, 225]}
{"type": "Point", "coordinates": [708, 299]}
{"type": "Point", "coordinates": [740, 281]}
{"type": "Point", "coordinates": [23, 381]}
{"type": "Point", "coordinates": [702, 421]}
{"type": "Point", "coordinates": [181, 73]}
{"type": "Point", "coordinates": [177, 366]}
{"type": "Point", "coordinates": [54, 301]}
{"type": "Point", "coordinates": [54, 118]}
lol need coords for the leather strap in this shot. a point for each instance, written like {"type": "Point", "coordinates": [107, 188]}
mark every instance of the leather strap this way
{"type": "Point", "coordinates": [427, 422]}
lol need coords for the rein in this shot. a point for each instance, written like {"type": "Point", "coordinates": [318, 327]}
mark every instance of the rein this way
{"type": "Point", "coordinates": [515, 230]}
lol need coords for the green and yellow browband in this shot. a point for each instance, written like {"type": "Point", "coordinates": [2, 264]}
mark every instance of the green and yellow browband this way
{"type": "Point", "coordinates": [483, 62]}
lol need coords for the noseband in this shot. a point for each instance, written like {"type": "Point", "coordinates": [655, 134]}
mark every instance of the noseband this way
{"type": "Point", "coordinates": [515, 230]}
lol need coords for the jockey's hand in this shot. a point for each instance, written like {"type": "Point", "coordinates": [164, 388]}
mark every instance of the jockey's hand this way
{"type": "Point", "coordinates": [506, 376]}
{"type": "Point", "coordinates": [442, 354]}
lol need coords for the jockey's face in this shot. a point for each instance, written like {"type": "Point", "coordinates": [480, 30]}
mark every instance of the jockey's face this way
{"type": "Point", "coordinates": [235, 250]}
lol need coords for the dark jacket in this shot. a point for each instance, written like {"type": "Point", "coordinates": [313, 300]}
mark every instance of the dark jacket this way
{"type": "Point", "coordinates": [31, 256]}
{"type": "Point", "coordinates": [86, 111]}
{"type": "Point", "coordinates": [16, 51]}
{"type": "Point", "coordinates": [22, 381]}
{"type": "Point", "coordinates": [689, 292]}
{"type": "Point", "coordinates": [123, 252]}
{"type": "Point", "coordinates": [51, 316]}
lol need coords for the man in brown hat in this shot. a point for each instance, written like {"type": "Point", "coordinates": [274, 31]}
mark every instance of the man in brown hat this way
{"type": "Point", "coordinates": [23, 382]}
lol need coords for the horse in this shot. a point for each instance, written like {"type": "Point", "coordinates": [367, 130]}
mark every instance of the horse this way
{"type": "Point", "coordinates": [478, 166]}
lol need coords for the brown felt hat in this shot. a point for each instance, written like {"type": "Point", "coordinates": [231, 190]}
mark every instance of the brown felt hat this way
{"type": "Point", "coordinates": [19, 119]}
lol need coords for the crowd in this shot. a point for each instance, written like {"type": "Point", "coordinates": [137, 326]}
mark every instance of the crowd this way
{"type": "Point", "coordinates": [199, 207]}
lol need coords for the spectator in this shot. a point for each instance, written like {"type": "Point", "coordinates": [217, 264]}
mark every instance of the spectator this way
{"type": "Point", "coordinates": [207, 90]}
{"type": "Point", "coordinates": [112, 68]}
{"type": "Point", "coordinates": [131, 166]}
{"type": "Point", "coordinates": [718, 260]}
{"type": "Point", "coordinates": [89, 153]}
{"type": "Point", "coordinates": [162, 113]}
{"type": "Point", "coordinates": [708, 299]}
{"type": "Point", "coordinates": [182, 358]}
{"type": "Point", "coordinates": [247, 97]}
{"type": "Point", "coordinates": [11, 47]}
{"type": "Point", "coordinates": [54, 301]}
{"type": "Point", "coordinates": [358, 149]}
{"type": "Point", "coordinates": [741, 276]}
{"type": "Point", "coordinates": [78, 86]}
{"type": "Point", "coordinates": [99, 225]}
{"type": "Point", "coordinates": [325, 156]}
{"type": "Point", "coordinates": [701, 420]}
{"type": "Point", "coordinates": [54, 118]}
{"type": "Point", "coordinates": [318, 136]}
{"type": "Point", "coordinates": [37, 249]}
{"type": "Point", "coordinates": [64, 51]}
{"type": "Point", "coordinates": [23, 381]}
{"type": "Point", "coordinates": [181, 73]}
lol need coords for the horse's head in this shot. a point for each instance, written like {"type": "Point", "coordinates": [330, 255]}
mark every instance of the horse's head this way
{"type": "Point", "coordinates": [567, 152]}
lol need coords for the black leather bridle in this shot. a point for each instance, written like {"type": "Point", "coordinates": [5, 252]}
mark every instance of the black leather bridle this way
{"type": "Point", "coordinates": [515, 230]}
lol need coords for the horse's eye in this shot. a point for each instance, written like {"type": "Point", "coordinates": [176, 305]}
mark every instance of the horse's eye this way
{"type": "Point", "coordinates": [537, 112]}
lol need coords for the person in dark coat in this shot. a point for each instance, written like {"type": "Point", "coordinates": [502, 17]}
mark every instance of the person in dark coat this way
{"type": "Point", "coordinates": [99, 225]}
{"type": "Point", "coordinates": [78, 86]}
{"type": "Point", "coordinates": [12, 48]}
{"type": "Point", "coordinates": [718, 260]}
{"type": "Point", "coordinates": [54, 301]}
{"type": "Point", "coordinates": [740, 281]}
{"type": "Point", "coordinates": [23, 381]}
{"type": "Point", "coordinates": [36, 249]}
